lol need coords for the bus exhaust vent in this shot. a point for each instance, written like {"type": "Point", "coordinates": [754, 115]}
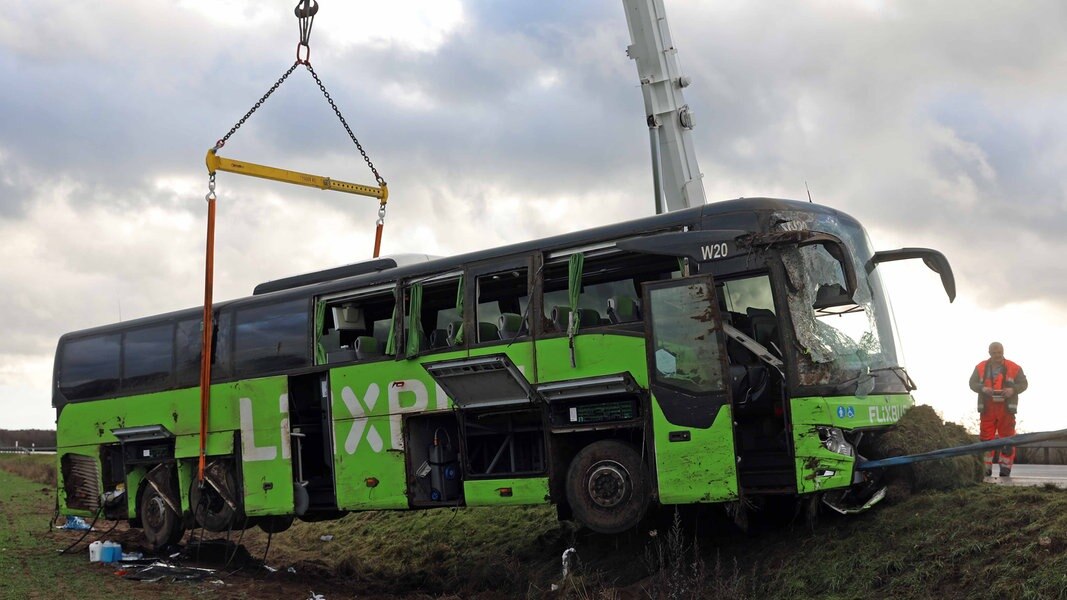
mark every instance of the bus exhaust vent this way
{"type": "Point", "coordinates": [81, 481]}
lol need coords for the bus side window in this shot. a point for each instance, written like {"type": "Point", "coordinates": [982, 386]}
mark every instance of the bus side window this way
{"type": "Point", "coordinates": [502, 298]}
{"type": "Point", "coordinates": [90, 367]}
{"type": "Point", "coordinates": [187, 342]}
{"type": "Point", "coordinates": [147, 358]}
{"type": "Point", "coordinates": [438, 312]}
{"type": "Point", "coordinates": [749, 306]}
{"type": "Point", "coordinates": [610, 288]}
{"type": "Point", "coordinates": [357, 328]}
{"type": "Point", "coordinates": [271, 337]}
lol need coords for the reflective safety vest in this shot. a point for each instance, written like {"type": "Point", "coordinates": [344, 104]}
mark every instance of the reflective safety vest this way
{"type": "Point", "coordinates": [1005, 378]}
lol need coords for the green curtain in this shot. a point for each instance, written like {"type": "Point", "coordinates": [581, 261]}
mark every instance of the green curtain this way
{"type": "Point", "coordinates": [574, 289]}
{"type": "Point", "coordinates": [390, 344]}
{"type": "Point", "coordinates": [459, 309]}
{"type": "Point", "coordinates": [414, 320]}
{"type": "Point", "coordinates": [320, 319]}
{"type": "Point", "coordinates": [681, 266]}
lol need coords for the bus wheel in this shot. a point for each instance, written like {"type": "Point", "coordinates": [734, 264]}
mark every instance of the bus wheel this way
{"type": "Point", "coordinates": [215, 504]}
{"type": "Point", "coordinates": [607, 487]}
{"type": "Point", "coordinates": [161, 524]}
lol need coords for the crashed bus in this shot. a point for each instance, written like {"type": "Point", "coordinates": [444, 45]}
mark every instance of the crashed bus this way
{"type": "Point", "coordinates": [738, 353]}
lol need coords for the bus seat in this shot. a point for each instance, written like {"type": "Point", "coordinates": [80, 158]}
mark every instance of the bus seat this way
{"type": "Point", "coordinates": [764, 325]}
{"type": "Point", "coordinates": [439, 338]}
{"type": "Point", "coordinates": [488, 331]}
{"type": "Point", "coordinates": [590, 317]}
{"type": "Point", "coordinates": [453, 330]}
{"type": "Point", "coordinates": [367, 348]}
{"type": "Point", "coordinates": [331, 341]}
{"type": "Point", "coordinates": [623, 309]}
{"type": "Point", "coordinates": [560, 317]}
{"type": "Point", "coordinates": [511, 325]}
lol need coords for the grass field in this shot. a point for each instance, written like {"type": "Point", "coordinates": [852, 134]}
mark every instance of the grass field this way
{"type": "Point", "coordinates": [974, 542]}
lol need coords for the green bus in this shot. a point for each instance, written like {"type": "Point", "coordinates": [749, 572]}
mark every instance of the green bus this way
{"type": "Point", "coordinates": [738, 353]}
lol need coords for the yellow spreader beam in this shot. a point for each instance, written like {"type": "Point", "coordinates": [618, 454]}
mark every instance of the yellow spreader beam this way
{"type": "Point", "coordinates": [220, 163]}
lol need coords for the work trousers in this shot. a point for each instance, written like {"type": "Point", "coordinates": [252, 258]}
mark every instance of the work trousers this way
{"type": "Point", "coordinates": [997, 423]}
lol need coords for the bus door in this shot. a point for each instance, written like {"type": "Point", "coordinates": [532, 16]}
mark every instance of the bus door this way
{"type": "Point", "coordinates": [311, 429]}
{"type": "Point", "coordinates": [691, 413]}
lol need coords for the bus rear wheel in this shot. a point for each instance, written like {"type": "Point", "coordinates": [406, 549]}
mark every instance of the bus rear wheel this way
{"type": "Point", "coordinates": [162, 526]}
{"type": "Point", "coordinates": [217, 510]}
{"type": "Point", "coordinates": [607, 487]}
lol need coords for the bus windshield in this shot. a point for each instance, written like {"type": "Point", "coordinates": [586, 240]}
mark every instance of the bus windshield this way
{"type": "Point", "coordinates": [840, 342]}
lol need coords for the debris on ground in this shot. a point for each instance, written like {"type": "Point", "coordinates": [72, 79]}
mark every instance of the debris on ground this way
{"type": "Point", "coordinates": [164, 571]}
{"type": "Point", "coordinates": [75, 524]}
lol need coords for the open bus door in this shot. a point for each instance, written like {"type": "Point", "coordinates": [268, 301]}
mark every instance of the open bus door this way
{"type": "Point", "coordinates": [692, 418]}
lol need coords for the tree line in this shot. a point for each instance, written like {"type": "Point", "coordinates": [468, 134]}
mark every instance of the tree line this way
{"type": "Point", "coordinates": [41, 438]}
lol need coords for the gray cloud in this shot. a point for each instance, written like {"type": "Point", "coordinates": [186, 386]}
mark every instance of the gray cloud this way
{"type": "Point", "coordinates": [942, 122]}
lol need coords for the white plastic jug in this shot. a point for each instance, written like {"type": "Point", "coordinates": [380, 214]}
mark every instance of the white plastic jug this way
{"type": "Point", "coordinates": [95, 549]}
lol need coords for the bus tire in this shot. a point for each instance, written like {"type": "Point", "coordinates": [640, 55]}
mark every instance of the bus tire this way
{"type": "Point", "coordinates": [162, 527]}
{"type": "Point", "coordinates": [210, 509]}
{"type": "Point", "coordinates": [608, 487]}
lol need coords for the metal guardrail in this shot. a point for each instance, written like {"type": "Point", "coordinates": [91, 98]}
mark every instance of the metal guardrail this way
{"type": "Point", "coordinates": [1046, 446]}
{"type": "Point", "coordinates": [27, 450]}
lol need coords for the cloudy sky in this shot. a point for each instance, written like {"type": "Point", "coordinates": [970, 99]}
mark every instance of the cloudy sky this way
{"type": "Point", "coordinates": [937, 124]}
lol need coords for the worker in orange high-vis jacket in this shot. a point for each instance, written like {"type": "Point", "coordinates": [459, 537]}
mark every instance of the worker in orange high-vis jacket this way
{"type": "Point", "coordinates": [998, 382]}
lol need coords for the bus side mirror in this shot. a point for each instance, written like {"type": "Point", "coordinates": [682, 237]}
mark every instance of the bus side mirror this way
{"type": "Point", "coordinates": [931, 258]}
{"type": "Point", "coordinates": [833, 299]}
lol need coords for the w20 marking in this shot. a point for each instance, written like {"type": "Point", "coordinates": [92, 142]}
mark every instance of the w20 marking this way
{"type": "Point", "coordinates": [714, 251]}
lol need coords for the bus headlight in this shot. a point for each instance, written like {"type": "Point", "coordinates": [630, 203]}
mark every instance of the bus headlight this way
{"type": "Point", "coordinates": [834, 440]}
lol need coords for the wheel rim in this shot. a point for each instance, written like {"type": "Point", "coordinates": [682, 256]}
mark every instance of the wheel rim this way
{"type": "Point", "coordinates": [608, 484]}
{"type": "Point", "coordinates": [156, 513]}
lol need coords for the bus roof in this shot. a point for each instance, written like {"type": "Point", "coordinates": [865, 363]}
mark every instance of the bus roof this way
{"type": "Point", "coordinates": [385, 270]}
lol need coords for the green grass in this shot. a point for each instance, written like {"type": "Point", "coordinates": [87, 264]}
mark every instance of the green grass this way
{"type": "Point", "coordinates": [30, 566]}
{"type": "Point", "coordinates": [978, 541]}
{"type": "Point", "coordinates": [40, 468]}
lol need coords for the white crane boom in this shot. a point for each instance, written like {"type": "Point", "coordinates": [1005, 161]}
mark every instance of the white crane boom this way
{"type": "Point", "coordinates": [675, 174]}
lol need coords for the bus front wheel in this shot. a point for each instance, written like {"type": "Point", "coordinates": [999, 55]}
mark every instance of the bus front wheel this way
{"type": "Point", "coordinates": [607, 487]}
{"type": "Point", "coordinates": [161, 525]}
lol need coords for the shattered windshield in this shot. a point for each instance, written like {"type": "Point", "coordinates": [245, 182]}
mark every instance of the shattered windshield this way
{"type": "Point", "coordinates": [840, 341]}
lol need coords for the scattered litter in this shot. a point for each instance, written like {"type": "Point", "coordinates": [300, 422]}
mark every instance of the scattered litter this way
{"type": "Point", "coordinates": [315, 596]}
{"type": "Point", "coordinates": [570, 561]}
{"type": "Point", "coordinates": [326, 538]}
{"type": "Point", "coordinates": [75, 524]}
{"type": "Point", "coordinates": [1044, 541]}
{"type": "Point", "coordinates": [555, 587]}
{"type": "Point", "coordinates": [270, 568]}
{"type": "Point", "coordinates": [291, 570]}
{"type": "Point", "coordinates": [159, 571]}
{"type": "Point", "coordinates": [131, 556]}
{"type": "Point", "coordinates": [217, 582]}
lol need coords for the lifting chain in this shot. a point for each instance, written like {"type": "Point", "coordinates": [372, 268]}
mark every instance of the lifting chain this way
{"type": "Point", "coordinates": [341, 118]}
{"type": "Point", "coordinates": [305, 13]}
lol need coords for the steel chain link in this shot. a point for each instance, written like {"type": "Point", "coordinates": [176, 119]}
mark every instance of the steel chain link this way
{"type": "Point", "coordinates": [222, 141]}
{"type": "Point", "coordinates": [341, 118]}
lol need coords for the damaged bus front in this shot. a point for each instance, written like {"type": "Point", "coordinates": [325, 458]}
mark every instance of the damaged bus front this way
{"type": "Point", "coordinates": [813, 351]}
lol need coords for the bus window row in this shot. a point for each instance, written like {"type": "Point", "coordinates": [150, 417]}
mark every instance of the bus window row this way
{"type": "Point", "coordinates": [266, 337]}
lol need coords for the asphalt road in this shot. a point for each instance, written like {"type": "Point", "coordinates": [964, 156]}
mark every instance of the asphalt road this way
{"type": "Point", "coordinates": [1032, 475]}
